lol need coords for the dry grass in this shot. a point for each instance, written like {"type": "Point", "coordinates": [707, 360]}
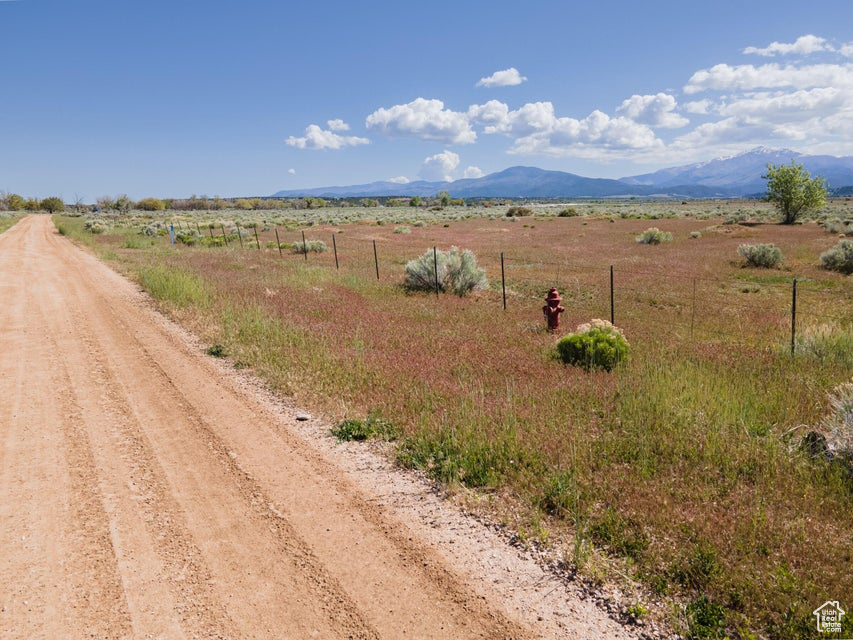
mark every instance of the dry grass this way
{"type": "Point", "coordinates": [682, 464]}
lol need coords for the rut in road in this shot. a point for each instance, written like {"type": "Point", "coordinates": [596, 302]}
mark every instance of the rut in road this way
{"type": "Point", "coordinates": [141, 495]}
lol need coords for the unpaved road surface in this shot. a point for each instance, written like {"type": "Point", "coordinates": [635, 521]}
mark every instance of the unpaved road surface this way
{"type": "Point", "coordinates": [143, 494]}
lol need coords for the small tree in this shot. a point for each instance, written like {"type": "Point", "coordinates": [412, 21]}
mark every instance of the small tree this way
{"type": "Point", "coordinates": [15, 202]}
{"type": "Point", "coordinates": [416, 201]}
{"type": "Point", "coordinates": [53, 204]}
{"type": "Point", "coordinates": [792, 189]}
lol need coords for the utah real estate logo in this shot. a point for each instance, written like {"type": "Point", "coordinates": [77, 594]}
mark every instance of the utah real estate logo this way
{"type": "Point", "coordinates": [829, 616]}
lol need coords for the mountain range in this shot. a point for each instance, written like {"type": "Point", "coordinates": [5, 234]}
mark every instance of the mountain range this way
{"type": "Point", "coordinates": [728, 177]}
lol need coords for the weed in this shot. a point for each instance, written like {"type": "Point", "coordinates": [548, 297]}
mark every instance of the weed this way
{"type": "Point", "coordinates": [216, 350]}
{"type": "Point", "coordinates": [373, 426]}
{"type": "Point", "coordinates": [705, 619]}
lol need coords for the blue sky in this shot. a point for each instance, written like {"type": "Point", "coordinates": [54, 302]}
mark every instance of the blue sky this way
{"type": "Point", "coordinates": [246, 98]}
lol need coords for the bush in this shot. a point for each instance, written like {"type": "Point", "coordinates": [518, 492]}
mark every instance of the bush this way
{"type": "Point", "coordinates": [839, 258]}
{"type": "Point", "coordinates": [403, 230]}
{"type": "Point", "coordinates": [518, 212]}
{"type": "Point", "coordinates": [96, 226]}
{"type": "Point", "coordinates": [653, 235]}
{"type": "Point", "coordinates": [568, 212]}
{"type": "Point", "coordinates": [594, 345]}
{"type": "Point", "coordinates": [695, 234]}
{"type": "Point", "coordinates": [766, 256]}
{"type": "Point", "coordinates": [309, 246]}
{"type": "Point", "coordinates": [457, 272]}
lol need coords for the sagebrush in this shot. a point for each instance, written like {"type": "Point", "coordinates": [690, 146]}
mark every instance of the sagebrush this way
{"type": "Point", "coordinates": [766, 256]}
{"type": "Point", "coordinates": [450, 271]}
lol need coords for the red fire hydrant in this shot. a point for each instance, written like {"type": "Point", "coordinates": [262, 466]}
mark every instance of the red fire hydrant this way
{"type": "Point", "coordinates": [552, 309]}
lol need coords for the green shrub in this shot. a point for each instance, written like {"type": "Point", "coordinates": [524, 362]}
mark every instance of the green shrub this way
{"type": "Point", "coordinates": [456, 271]}
{"type": "Point", "coordinates": [402, 230]}
{"type": "Point", "coordinates": [839, 258]}
{"type": "Point", "coordinates": [695, 234]}
{"type": "Point", "coordinates": [568, 212]}
{"type": "Point", "coordinates": [309, 246]}
{"type": "Point", "coordinates": [766, 256]}
{"type": "Point", "coordinates": [212, 241]}
{"type": "Point", "coordinates": [371, 427]}
{"type": "Point", "coordinates": [594, 345]}
{"type": "Point", "coordinates": [705, 619]}
{"type": "Point", "coordinates": [513, 212]}
{"type": "Point", "coordinates": [189, 238]}
{"type": "Point", "coordinates": [653, 235]}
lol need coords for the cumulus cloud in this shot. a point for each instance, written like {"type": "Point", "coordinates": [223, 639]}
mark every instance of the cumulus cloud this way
{"type": "Point", "coordinates": [317, 138]}
{"type": "Point", "coordinates": [803, 45]}
{"type": "Point", "coordinates": [440, 166]}
{"type": "Point", "coordinates": [506, 78]}
{"type": "Point", "coordinates": [399, 180]}
{"type": "Point", "coordinates": [775, 104]}
{"type": "Point", "coordinates": [723, 77]}
{"type": "Point", "coordinates": [292, 172]}
{"type": "Point", "coordinates": [473, 172]}
{"type": "Point", "coordinates": [337, 125]}
{"type": "Point", "coordinates": [655, 111]}
{"type": "Point", "coordinates": [425, 120]}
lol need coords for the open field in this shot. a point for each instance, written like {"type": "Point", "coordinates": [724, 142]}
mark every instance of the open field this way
{"type": "Point", "coordinates": [682, 469]}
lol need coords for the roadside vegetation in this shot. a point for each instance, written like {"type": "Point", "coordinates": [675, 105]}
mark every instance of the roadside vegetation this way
{"type": "Point", "coordinates": [688, 468]}
{"type": "Point", "coordinates": [7, 220]}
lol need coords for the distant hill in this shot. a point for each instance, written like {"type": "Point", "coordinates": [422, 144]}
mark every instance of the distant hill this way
{"type": "Point", "coordinates": [729, 177]}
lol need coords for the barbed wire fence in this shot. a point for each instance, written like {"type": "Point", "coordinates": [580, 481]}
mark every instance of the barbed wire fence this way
{"type": "Point", "coordinates": [634, 299]}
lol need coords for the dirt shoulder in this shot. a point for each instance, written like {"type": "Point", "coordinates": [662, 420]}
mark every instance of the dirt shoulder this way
{"type": "Point", "coordinates": [147, 490]}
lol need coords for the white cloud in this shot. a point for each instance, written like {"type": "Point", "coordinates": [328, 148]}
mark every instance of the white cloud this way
{"type": "Point", "coordinates": [846, 50]}
{"type": "Point", "coordinates": [399, 180]}
{"type": "Point", "coordinates": [473, 172]}
{"type": "Point", "coordinates": [440, 166]}
{"type": "Point", "coordinates": [491, 113]}
{"type": "Point", "coordinates": [317, 138]}
{"type": "Point", "coordinates": [723, 77]}
{"type": "Point", "coordinates": [803, 45]}
{"type": "Point", "coordinates": [425, 120]}
{"type": "Point", "coordinates": [699, 107]}
{"type": "Point", "coordinates": [797, 105]}
{"type": "Point", "coordinates": [506, 78]}
{"type": "Point", "coordinates": [530, 118]}
{"type": "Point", "coordinates": [292, 172]}
{"type": "Point", "coordinates": [654, 111]}
{"type": "Point", "coordinates": [337, 125]}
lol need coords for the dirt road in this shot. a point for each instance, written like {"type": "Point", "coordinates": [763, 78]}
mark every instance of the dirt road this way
{"type": "Point", "coordinates": [144, 495]}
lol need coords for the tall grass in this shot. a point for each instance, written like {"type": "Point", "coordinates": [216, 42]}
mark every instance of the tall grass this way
{"type": "Point", "coordinates": [8, 219]}
{"type": "Point", "coordinates": [179, 287]}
